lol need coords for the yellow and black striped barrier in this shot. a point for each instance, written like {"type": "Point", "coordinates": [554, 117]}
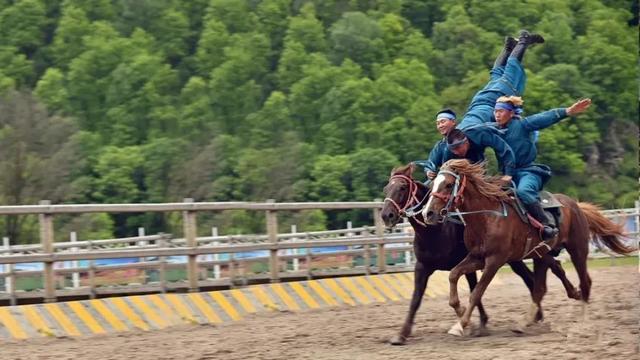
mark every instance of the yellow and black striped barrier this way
{"type": "Point", "coordinates": [159, 311]}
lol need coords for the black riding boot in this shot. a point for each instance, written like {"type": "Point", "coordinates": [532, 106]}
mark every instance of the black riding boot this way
{"type": "Point", "coordinates": [549, 231]}
{"type": "Point", "coordinates": [524, 41]}
{"type": "Point", "coordinates": [509, 44]}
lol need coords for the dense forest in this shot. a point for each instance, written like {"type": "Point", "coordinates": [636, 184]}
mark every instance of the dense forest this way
{"type": "Point", "coordinates": [138, 101]}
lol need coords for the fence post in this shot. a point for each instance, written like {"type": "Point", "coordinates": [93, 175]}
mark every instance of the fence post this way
{"type": "Point", "coordinates": [307, 258]}
{"type": "Point", "coordinates": [189, 223]}
{"type": "Point", "coordinates": [637, 229]}
{"type": "Point", "coordinates": [75, 276]}
{"type": "Point", "coordinates": [295, 262]}
{"type": "Point", "coordinates": [46, 240]}
{"type": "Point", "coordinates": [142, 244]}
{"type": "Point", "coordinates": [92, 274]}
{"type": "Point", "coordinates": [215, 257]}
{"type": "Point", "coordinates": [162, 269]}
{"type": "Point", "coordinates": [382, 254]}
{"type": "Point", "coordinates": [366, 255]}
{"type": "Point", "coordinates": [272, 234]}
{"type": "Point", "coordinates": [9, 280]}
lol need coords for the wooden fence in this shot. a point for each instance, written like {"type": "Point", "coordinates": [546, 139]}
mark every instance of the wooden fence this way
{"type": "Point", "coordinates": [192, 246]}
{"type": "Point", "coordinates": [366, 242]}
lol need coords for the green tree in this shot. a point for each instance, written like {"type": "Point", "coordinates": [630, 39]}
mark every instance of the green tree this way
{"type": "Point", "coordinates": [15, 68]}
{"type": "Point", "coordinates": [235, 85]}
{"type": "Point", "coordinates": [307, 30]}
{"type": "Point", "coordinates": [357, 37]}
{"type": "Point", "coordinates": [308, 94]}
{"type": "Point", "coordinates": [119, 175]}
{"type": "Point", "coordinates": [235, 15]}
{"type": "Point", "coordinates": [463, 47]}
{"type": "Point", "coordinates": [214, 37]}
{"type": "Point", "coordinates": [273, 115]}
{"type": "Point", "coordinates": [51, 90]}
{"type": "Point", "coordinates": [22, 24]}
{"type": "Point", "coordinates": [197, 121]}
{"type": "Point", "coordinates": [67, 41]}
{"type": "Point", "coordinates": [38, 157]}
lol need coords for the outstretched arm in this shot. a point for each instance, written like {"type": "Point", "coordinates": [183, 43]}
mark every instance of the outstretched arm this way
{"type": "Point", "coordinates": [548, 118]}
{"type": "Point", "coordinates": [578, 107]}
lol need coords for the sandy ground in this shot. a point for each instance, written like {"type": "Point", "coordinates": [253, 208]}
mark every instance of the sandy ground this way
{"type": "Point", "coordinates": [611, 331]}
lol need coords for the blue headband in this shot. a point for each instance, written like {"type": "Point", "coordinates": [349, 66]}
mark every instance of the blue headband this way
{"type": "Point", "coordinates": [457, 143]}
{"type": "Point", "coordinates": [446, 116]}
{"type": "Point", "coordinates": [505, 106]}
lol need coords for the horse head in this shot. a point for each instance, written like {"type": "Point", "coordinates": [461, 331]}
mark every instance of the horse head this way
{"type": "Point", "coordinates": [401, 192]}
{"type": "Point", "coordinates": [454, 179]}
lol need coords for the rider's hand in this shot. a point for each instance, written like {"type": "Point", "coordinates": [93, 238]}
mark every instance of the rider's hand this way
{"type": "Point", "coordinates": [431, 175]}
{"type": "Point", "coordinates": [505, 180]}
{"type": "Point", "coordinates": [579, 107]}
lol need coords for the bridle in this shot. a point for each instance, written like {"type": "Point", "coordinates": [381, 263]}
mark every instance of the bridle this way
{"type": "Point", "coordinates": [411, 198]}
{"type": "Point", "coordinates": [455, 198]}
{"type": "Point", "coordinates": [413, 189]}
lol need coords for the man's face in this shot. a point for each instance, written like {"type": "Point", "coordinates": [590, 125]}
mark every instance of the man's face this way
{"type": "Point", "coordinates": [445, 125]}
{"type": "Point", "coordinates": [461, 150]}
{"type": "Point", "coordinates": [502, 116]}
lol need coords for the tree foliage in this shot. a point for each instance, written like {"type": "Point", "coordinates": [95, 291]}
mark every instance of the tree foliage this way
{"type": "Point", "coordinates": [311, 100]}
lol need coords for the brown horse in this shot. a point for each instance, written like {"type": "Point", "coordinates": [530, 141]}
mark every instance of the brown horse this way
{"type": "Point", "coordinates": [494, 235]}
{"type": "Point", "coordinates": [438, 247]}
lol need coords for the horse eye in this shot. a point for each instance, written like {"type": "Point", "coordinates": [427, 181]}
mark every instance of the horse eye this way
{"type": "Point", "coordinates": [449, 186]}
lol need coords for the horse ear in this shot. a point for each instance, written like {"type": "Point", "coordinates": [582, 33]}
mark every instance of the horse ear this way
{"type": "Point", "coordinates": [411, 168]}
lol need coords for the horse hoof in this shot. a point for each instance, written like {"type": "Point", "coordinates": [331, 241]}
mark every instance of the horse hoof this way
{"type": "Point", "coordinates": [577, 294]}
{"type": "Point", "coordinates": [456, 330]}
{"type": "Point", "coordinates": [521, 327]}
{"type": "Point", "coordinates": [518, 329]}
{"type": "Point", "coordinates": [481, 331]}
{"type": "Point", "coordinates": [398, 340]}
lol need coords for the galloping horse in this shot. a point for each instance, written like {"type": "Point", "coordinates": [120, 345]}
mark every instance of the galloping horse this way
{"type": "Point", "coordinates": [439, 246]}
{"type": "Point", "coordinates": [494, 240]}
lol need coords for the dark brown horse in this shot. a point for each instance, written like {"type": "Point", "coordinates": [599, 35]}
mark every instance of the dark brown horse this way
{"type": "Point", "coordinates": [493, 240]}
{"type": "Point", "coordinates": [439, 246]}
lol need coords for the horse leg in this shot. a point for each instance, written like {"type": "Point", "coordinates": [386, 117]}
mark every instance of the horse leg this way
{"type": "Point", "coordinates": [420, 278]}
{"type": "Point", "coordinates": [521, 269]}
{"type": "Point", "coordinates": [540, 267]}
{"type": "Point", "coordinates": [558, 271]}
{"type": "Point", "coordinates": [491, 266]}
{"type": "Point", "coordinates": [472, 279]}
{"type": "Point", "coordinates": [579, 260]}
{"type": "Point", "coordinates": [467, 265]}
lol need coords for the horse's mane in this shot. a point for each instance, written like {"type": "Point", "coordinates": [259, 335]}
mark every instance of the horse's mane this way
{"type": "Point", "coordinates": [488, 186]}
{"type": "Point", "coordinates": [403, 170]}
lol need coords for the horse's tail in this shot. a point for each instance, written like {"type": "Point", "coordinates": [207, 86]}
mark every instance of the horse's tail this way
{"type": "Point", "coordinates": [608, 232]}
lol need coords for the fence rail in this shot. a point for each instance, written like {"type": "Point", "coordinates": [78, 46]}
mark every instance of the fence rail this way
{"type": "Point", "coordinates": [157, 252]}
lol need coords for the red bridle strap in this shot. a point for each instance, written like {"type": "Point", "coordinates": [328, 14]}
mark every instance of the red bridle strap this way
{"type": "Point", "coordinates": [413, 189]}
{"type": "Point", "coordinates": [457, 196]}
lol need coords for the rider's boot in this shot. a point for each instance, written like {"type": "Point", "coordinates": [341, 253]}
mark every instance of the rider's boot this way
{"type": "Point", "coordinates": [524, 41]}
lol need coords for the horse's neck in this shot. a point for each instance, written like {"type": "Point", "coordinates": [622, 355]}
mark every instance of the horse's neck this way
{"type": "Point", "coordinates": [437, 241]}
{"type": "Point", "coordinates": [422, 190]}
{"type": "Point", "coordinates": [474, 200]}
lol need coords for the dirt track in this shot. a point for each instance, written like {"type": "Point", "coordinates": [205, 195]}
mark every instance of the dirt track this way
{"type": "Point", "coordinates": [610, 332]}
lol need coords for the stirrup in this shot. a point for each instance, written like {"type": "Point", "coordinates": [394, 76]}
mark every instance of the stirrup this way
{"type": "Point", "coordinates": [544, 248]}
